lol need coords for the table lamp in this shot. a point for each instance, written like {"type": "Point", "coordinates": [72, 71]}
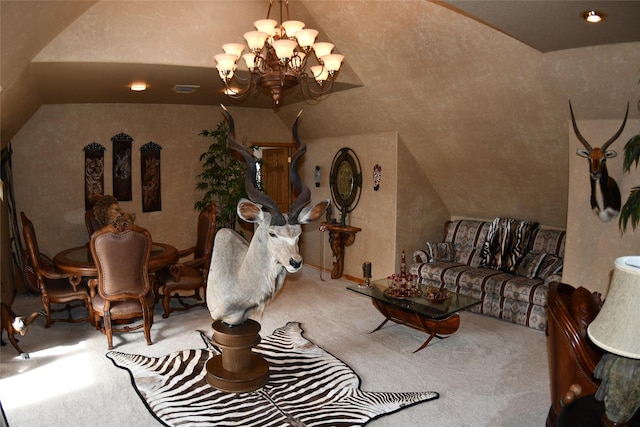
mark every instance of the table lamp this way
{"type": "Point", "coordinates": [616, 329]}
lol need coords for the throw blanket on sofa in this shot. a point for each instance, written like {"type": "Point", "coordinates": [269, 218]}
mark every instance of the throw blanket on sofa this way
{"type": "Point", "coordinates": [506, 243]}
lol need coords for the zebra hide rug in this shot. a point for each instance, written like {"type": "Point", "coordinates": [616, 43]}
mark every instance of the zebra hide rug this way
{"type": "Point", "coordinates": [307, 387]}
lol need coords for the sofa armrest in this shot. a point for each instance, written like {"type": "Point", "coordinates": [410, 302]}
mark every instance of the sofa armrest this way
{"type": "Point", "coordinates": [421, 257]}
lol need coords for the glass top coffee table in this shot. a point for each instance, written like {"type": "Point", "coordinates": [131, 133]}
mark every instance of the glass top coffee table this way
{"type": "Point", "coordinates": [433, 318]}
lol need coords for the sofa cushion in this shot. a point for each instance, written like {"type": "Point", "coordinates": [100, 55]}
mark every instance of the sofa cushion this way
{"type": "Point", "coordinates": [551, 264]}
{"type": "Point", "coordinates": [529, 265]}
{"type": "Point", "coordinates": [440, 251]}
{"type": "Point", "coordinates": [548, 240]}
{"type": "Point", "coordinates": [467, 237]}
{"type": "Point", "coordinates": [506, 243]}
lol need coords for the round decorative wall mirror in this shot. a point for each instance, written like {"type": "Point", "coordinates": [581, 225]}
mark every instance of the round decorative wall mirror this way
{"type": "Point", "coordinates": [345, 181]}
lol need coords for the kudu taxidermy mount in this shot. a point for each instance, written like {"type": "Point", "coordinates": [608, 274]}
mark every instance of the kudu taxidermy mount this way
{"type": "Point", "coordinates": [244, 276]}
{"type": "Point", "coordinates": [605, 194]}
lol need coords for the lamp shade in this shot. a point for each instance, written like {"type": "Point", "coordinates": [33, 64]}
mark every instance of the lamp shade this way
{"type": "Point", "coordinates": [617, 326]}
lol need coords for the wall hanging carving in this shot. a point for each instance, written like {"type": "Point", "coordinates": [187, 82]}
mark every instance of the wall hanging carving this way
{"type": "Point", "coordinates": [150, 173]}
{"type": "Point", "coordinates": [93, 173]}
{"type": "Point", "coordinates": [122, 166]}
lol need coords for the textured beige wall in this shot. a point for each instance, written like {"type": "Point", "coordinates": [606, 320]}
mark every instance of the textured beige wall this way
{"type": "Point", "coordinates": [421, 213]}
{"type": "Point", "coordinates": [375, 212]}
{"type": "Point", "coordinates": [403, 214]}
{"type": "Point", "coordinates": [48, 164]}
{"type": "Point", "coordinates": [593, 245]}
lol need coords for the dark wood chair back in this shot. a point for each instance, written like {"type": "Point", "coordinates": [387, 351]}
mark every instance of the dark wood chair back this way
{"type": "Point", "coordinates": [91, 222]}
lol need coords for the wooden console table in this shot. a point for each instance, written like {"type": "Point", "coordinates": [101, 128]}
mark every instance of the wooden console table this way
{"type": "Point", "coordinates": [340, 236]}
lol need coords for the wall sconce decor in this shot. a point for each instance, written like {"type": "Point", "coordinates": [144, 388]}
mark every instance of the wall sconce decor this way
{"type": "Point", "coordinates": [377, 174]}
{"type": "Point", "coordinates": [317, 176]}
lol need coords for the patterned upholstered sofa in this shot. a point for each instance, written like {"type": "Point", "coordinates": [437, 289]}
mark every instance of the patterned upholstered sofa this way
{"type": "Point", "coordinates": [506, 263]}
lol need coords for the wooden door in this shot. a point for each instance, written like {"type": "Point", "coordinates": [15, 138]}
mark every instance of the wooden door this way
{"type": "Point", "coordinates": [275, 175]}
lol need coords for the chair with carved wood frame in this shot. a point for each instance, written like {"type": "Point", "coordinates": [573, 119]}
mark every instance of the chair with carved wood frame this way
{"type": "Point", "coordinates": [122, 293]}
{"type": "Point", "coordinates": [91, 222]}
{"type": "Point", "coordinates": [188, 279]}
{"type": "Point", "coordinates": [572, 355]}
{"type": "Point", "coordinates": [54, 287]}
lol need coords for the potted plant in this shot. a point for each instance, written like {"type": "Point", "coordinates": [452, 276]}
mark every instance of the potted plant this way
{"type": "Point", "coordinates": [631, 209]}
{"type": "Point", "coordinates": [222, 177]}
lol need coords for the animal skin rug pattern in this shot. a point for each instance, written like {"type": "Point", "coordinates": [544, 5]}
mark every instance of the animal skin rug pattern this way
{"type": "Point", "coordinates": [307, 387]}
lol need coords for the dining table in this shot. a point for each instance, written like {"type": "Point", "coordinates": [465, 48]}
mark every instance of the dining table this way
{"type": "Point", "coordinates": [79, 263]}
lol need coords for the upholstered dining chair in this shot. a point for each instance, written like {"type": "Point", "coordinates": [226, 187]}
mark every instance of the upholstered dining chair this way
{"type": "Point", "coordinates": [121, 295]}
{"type": "Point", "coordinates": [59, 292]}
{"type": "Point", "coordinates": [572, 355]}
{"type": "Point", "coordinates": [188, 279]}
{"type": "Point", "coordinates": [91, 222]}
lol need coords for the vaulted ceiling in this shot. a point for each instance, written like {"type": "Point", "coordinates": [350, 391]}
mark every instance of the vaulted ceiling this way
{"type": "Point", "coordinates": [477, 90]}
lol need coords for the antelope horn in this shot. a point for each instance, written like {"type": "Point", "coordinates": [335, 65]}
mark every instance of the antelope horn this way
{"type": "Point", "coordinates": [255, 195]}
{"type": "Point", "coordinates": [578, 134]}
{"type": "Point", "coordinates": [617, 134]}
{"type": "Point", "coordinates": [304, 194]}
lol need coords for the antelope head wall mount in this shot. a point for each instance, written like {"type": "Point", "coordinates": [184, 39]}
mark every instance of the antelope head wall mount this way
{"type": "Point", "coordinates": [244, 276]}
{"type": "Point", "coordinates": [605, 194]}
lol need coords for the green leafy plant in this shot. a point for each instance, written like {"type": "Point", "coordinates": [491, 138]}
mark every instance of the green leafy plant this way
{"type": "Point", "coordinates": [222, 177]}
{"type": "Point", "coordinates": [631, 209]}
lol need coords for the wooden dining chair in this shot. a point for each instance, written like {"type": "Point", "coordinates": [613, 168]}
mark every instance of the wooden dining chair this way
{"type": "Point", "coordinates": [188, 279]}
{"type": "Point", "coordinates": [122, 295]}
{"type": "Point", "coordinates": [91, 222]}
{"type": "Point", "coordinates": [59, 292]}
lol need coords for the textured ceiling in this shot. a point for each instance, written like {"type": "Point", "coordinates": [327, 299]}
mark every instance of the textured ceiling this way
{"type": "Point", "coordinates": [555, 25]}
{"type": "Point", "coordinates": [479, 95]}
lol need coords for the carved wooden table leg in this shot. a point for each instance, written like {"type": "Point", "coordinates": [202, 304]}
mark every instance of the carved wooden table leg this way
{"type": "Point", "coordinates": [433, 327]}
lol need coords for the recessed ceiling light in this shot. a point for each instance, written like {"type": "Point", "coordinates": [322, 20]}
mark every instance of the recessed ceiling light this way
{"type": "Point", "coordinates": [138, 87]}
{"type": "Point", "coordinates": [593, 16]}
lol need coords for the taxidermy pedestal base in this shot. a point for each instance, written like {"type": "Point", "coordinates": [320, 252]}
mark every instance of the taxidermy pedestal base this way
{"type": "Point", "coordinates": [237, 369]}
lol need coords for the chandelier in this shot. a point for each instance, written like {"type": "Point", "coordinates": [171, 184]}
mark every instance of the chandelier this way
{"type": "Point", "coordinates": [279, 57]}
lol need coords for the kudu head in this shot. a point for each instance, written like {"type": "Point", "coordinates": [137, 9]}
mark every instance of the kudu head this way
{"type": "Point", "coordinates": [277, 232]}
{"type": "Point", "coordinates": [597, 156]}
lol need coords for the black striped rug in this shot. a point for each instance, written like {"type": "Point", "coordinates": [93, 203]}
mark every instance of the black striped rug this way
{"type": "Point", "coordinates": [307, 387]}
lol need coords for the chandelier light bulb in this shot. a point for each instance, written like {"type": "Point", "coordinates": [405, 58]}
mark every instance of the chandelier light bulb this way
{"type": "Point", "coordinates": [266, 26]}
{"type": "Point", "coordinates": [233, 49]}
{"type": "Point", "coordinates": [292, 27]}
{"type": "Point", "coordinates": [256, 40]}
{"type": "Point", "coordinates": [225, 61]}
{"type": "Point", "coordinates": [284, 48]}
{"type": "Point", "coordinates": [250, 60]}
{"type": "Point", "coordinates": [320, 74]}
{"type": "Point", "coordinates": [306, 38]}
{"type": "Point", "coordinates": [332, 62]}
{"type": "Point", "coordinates": [322, 49]}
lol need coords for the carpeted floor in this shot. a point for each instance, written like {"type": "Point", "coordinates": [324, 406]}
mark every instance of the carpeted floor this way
{"type": "Point", "coordinates": [489, 373]}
